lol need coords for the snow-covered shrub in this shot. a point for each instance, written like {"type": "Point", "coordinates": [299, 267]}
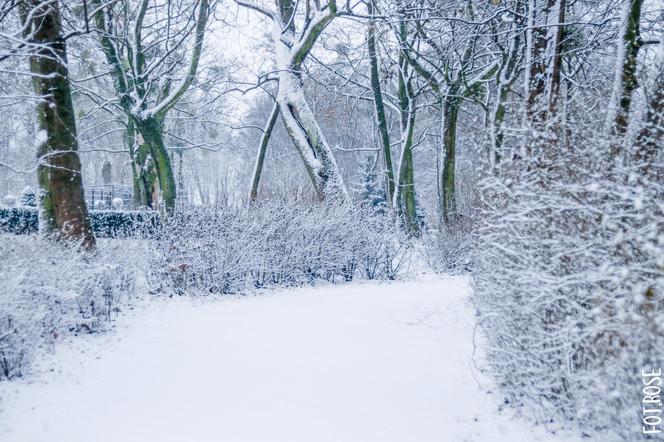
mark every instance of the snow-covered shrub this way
{"type": "Point", "coordinates": [448, 247]}
{"type": "Point", "coordinates": [9, 200]}
{"type": "Point", "coordinates": [105, 223]}
{"type": "Point", "coordinates": [28, 197]}
{"type": "Point", "coordinates": [48, 290]}
{"type": "Point", "coordinates": [570, 277]}
{"type": "Point", "coordinates": [125, 223]}
{"type": "Point", "coordinates": [19, 220]}
{"type": "Point", "coordinates": [225, 250]}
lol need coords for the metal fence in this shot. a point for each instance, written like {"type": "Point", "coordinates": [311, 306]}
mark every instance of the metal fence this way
{"type": "Point", "coordinates": [101, 197]}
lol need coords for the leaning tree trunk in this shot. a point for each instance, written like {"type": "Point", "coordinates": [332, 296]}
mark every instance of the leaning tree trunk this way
{"type": "Point", "coordinates": [299, 121]}
{"type": "Point", "coordinates": [262, 149]}
{"type": "Point", "coordinates": [308, 138]}
{"type": "Point", "coordinates": [64, 212]}
{"type": "Point", "coordinates": [448, 207]}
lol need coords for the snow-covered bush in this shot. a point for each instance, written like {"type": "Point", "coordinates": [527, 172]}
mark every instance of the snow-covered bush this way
{"type": "Point", "coordinates": [28, 197]}
{"type": "Point", "coordinates": [48, 290]}
{"type": "Point", "coordinates": [19, 220]}
{"type": "Point", "coordinates": [224, 250]}
{"type": "Point", "coordinates": [448, 248]}
{"type": "Point", "coordinates": [570, 277]}
{"type": "Point", "coordinates": [9, 200]}
{"type": "Point", "coordinates": [125, 223]}
{"type": "Point", "coordinates": [105, 223]}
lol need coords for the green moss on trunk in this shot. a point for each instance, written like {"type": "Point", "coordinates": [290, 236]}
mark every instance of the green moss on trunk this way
{"type": "Point", "coordinates": [64, 211]}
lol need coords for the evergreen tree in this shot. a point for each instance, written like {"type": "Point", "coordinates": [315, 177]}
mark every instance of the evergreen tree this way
{"type": "Point", "coordinates": [28, 197]}
{"type": "Point", "coordinates": [371, 189]}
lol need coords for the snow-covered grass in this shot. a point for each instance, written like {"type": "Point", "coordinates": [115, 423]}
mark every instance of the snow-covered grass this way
{"type": "Point", "coordinates": [355, 362]}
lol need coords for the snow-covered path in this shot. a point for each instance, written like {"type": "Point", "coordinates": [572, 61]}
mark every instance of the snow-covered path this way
{"type": "Point", "coordinates": [352, 363]}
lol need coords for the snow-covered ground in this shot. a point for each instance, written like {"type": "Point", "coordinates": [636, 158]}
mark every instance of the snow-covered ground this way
{"type": "Point", "coordinates": [359, 362]}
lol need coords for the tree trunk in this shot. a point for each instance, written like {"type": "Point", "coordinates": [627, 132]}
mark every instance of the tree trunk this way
{"type": "Point", "coordinates": [141, 178]}
{"type": "Point", "coordinates": [544, 38]}
{"type": "Point", "coordinates": [554, 46]}
{"type": "Point", "coordinates": [497, 120]}
{"type": "Point", "coordinates": [650, 137]}
{"type": "Point", "coordinates": [625, 81]}
{"type": "Point", "coordinates": [451, 105]}
{"type": "Point", "coordinates": [404, 196]}
{"type": "Point", "coordinates": [308, 139]}
{"type": "Point", "coordinates": [299, 121]}
{"type": "Point", "coordinates": [260, 158]}
{"type": "Point", "coordinates": [379, 106]}
{"type": "Point", "coordinates": [151, 132]}
{"type": "Point", "coordinates": [64, 212]}
{"type": "Point", "coordinates": [506, 76]}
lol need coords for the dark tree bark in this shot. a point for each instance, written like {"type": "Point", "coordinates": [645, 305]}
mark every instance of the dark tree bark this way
{"type": "Point", "coordinates": [451, 106]}
{"type": "Point", "coordinates": [262, 149]}
{"type": "Point", "coordinates": [405, 201]}
{"type": "Point", "coordinates": [546, 59]}
{"type": "Point", "coordinates": [650, 137]}
{"type": "Point", "coordinates": [64, 212]}
{"type": "Point", "coordinates": [143, 175]}
{"type": "Point", "coordinates": [627, 84]}
{"type": "Point", "coordinates": [164, 187]}
{"type": "Point", "coordinates": [379, 106]}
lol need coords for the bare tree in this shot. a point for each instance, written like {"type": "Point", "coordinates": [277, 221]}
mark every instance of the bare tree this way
{"type": "Point", "coordinates": [455, 68]}
{"type": "Point", "coordinates": [292, 46]}
{"type": "Point", "coordinates": [149, 77]}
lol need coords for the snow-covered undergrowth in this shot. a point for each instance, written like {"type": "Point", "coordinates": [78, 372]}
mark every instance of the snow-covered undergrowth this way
{"type": "Point", "coordinates": [568, 282]}
{"type": "Point", "coordinates": [48, 290]}
{"type": "Point", "coordinates": [448, 249]}
{"type": "Point", "coordinates": [227, 250]}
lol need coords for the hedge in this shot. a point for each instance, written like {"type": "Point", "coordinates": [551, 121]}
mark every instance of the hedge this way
{"type": "Point", "coordinates": [105, 223]}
